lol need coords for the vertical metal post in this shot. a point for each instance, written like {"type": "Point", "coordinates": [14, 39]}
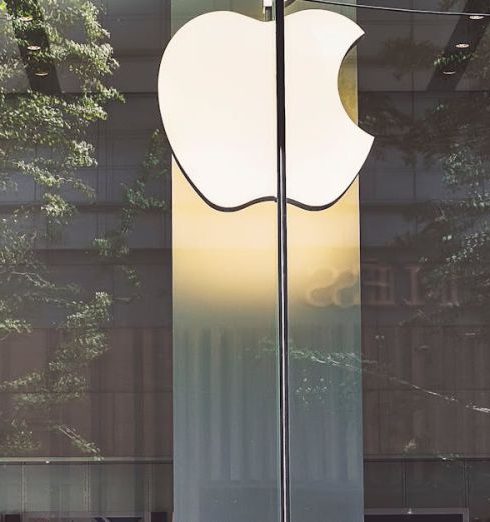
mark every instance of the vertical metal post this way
{"type": "Point", "coordinates": [283, 343]}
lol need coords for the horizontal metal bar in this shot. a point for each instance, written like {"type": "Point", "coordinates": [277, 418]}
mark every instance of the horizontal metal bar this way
{"type": "Point", "coordinates": [400, 9]}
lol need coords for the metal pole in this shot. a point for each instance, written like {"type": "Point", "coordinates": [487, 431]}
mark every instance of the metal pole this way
{"type": "Point", "coordinates": [283, 343]}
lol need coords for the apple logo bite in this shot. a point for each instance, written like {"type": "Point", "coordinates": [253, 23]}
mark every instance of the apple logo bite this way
{"type": "Point", "coordinates": [217, 95]}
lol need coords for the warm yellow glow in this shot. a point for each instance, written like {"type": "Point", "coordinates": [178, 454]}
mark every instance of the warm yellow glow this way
{"type": "Point", "coordinates": [324, 247]}
{"type": "Point", "coordinates": [222, 259]}
{"type": "Point", "coordinates": [225, 262]}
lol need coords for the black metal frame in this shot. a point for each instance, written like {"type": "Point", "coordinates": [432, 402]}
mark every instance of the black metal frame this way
{"type": "Point", "coordinates": [408, 10]}
{"type": "Point", "coordinates": [282, 248]}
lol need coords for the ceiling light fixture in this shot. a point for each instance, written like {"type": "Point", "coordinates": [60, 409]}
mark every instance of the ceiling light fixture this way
{"type": "Point", "coordinates": [25, 18]}
{"type": "Point", "coordinates": [462, 45]}
{"type": "Point", "coordinates": [41, 74]}
{"type": "Point", "coordinates": [34, 47]}
{"type": "Point", "coordinates": [448, 73]}
{"type": "Point", "coordinates": [476, 17]}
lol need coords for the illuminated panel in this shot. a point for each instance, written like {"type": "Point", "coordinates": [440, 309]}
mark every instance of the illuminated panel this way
{"type": "Point", "coordinates": [217, 99]}
{"type": "Point", "coordinates": [225, 376]}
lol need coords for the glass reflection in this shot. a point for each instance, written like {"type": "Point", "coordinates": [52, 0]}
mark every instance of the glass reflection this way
{"type": "Point", "coordinates": [85, 304]}
{"type": "Point", "coordinates": [325, 360]}
{"type": "Point", "coordinates": [423, 90]}
{"type": "Point", "coordinates": [85, 286]}
{"type": "Point", "coordinates": [225, 371]}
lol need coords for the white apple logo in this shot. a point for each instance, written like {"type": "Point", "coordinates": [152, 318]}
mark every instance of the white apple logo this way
{"type": "Point", "coordinates": [217, 94]}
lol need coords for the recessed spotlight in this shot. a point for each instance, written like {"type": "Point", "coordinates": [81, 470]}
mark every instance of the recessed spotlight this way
{"type": "Point", "coordinates": [41, 74]}
{"type": "Point", "coordinates": [462, 45]}
{"type": "Point", "coordinates": [34, 47]}
{"type": "Point", "coordinates": [476, 17]}
{"type": "Point", "coordinates": [448, 73]}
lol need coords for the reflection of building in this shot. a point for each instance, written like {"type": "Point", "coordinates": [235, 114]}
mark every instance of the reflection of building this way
{"type": "Point", "coordinates": [126, 412]}
{"type": "Point", "coordinates": [426, 388]}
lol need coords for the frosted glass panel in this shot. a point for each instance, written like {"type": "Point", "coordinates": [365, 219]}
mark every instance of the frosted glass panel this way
{"type": "Point", "coordinates": [225, 378]}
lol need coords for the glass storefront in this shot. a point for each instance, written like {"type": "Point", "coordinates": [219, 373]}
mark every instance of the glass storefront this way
{"type": "Point", "coordinates": [86, 310]}
{"type": "Point", "coordinates": [139, 353]}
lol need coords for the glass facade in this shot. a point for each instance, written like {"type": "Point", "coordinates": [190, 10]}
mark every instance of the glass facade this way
{"type": "Point", "coordinates": [423, 193]}
{"type": "Point", "coordinates": [86, 311]}
{"type": "Point", "coordinates": [139, 375]}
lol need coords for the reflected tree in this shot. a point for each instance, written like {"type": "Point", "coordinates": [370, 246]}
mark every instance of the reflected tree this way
{"type": "Point", "coordinates": [452, 239]}
{"type": "Point", "coordinates": [44, 138]}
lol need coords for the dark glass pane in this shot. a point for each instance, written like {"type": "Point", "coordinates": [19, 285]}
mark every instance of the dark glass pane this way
{"type": "Point", "coordinates": [85, 290]}
{"type": "Point", "coordinates": [423, 89]}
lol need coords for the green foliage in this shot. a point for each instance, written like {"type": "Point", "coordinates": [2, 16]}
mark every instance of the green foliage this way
{"type": "Point", "coordinates": [39, 395]}
{"type": "Point", "coordinates": [44, 137]}
{"type": "Point", "coordinates": [114, 245]}
{"type": "Point", "coordinates": [24, 280]}
{"type": "Point", "coordinates": [317, 375]}
{"type": "Point", "coordinates": [81, 340]}
{"type": "Point", "coordinates": [452, 240]}
{"type": "Point", "coordinates": [25, 286]}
